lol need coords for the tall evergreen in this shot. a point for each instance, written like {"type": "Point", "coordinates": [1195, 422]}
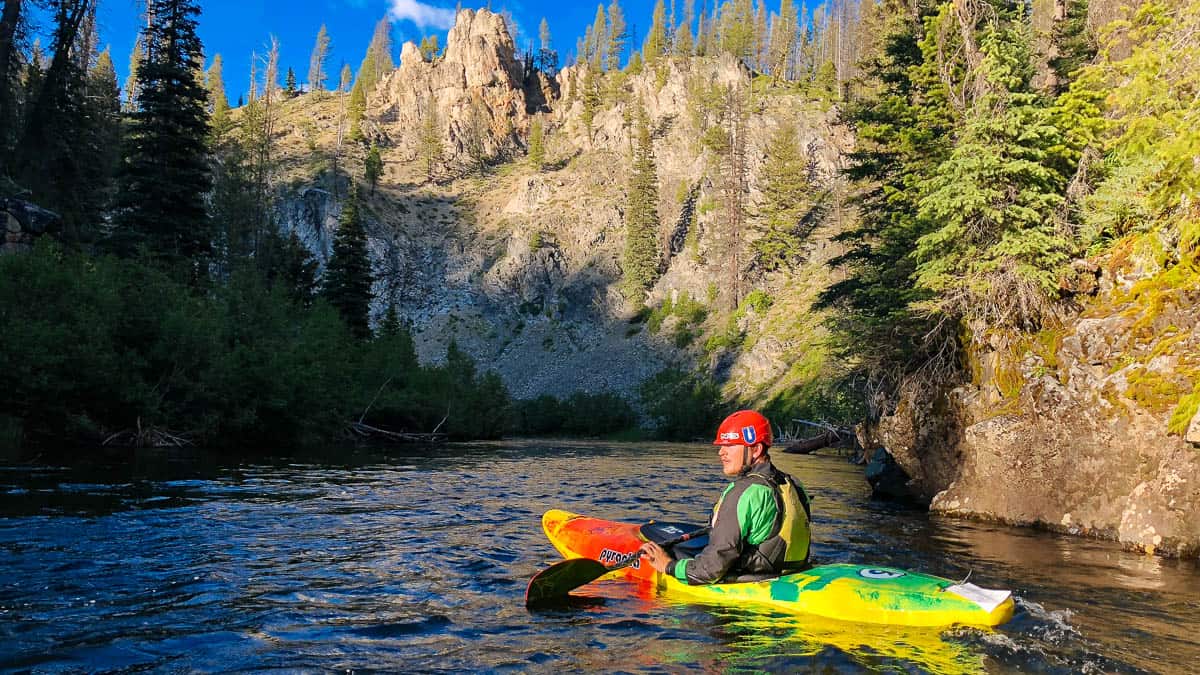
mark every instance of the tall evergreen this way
{"type": "Point", "coordinates": [10, 66]}
{"type": "Point", "coordinates": [903, 128]}
{"type": "Point", "coordinates": [373, 167]}
{"type": "Point", "coordinates": [49, 154]}
{"type": "Point", "coordinates": [656, 38]}
{"type": "Point", "coordinates": [994, 249]}
{"type": "Point", "coordinates": [347, 280]}
{"type": "Point", "coordinates": [537, 144]}
{"type": "Point", "coordinates": [618, 34]}
{"type": "Point", "coordinates": [787, 196]}
{"type": "Point", "coordinates": [316, 62]}
{"type": "Point", "coordinates": [218, 103]}
{"type": "Point", "coordinates": [165, 175]}
{"type": "Point", "coordinates": [639, 264]}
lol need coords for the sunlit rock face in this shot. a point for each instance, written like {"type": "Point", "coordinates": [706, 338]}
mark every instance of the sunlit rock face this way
{"type": "Point", "coordinates": [473, 93]}
{"type": "Point", "coordinates": [1085, 447]}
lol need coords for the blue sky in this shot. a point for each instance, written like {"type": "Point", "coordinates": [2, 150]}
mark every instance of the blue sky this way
{"type": "Point", "coordinates": [235, 28]}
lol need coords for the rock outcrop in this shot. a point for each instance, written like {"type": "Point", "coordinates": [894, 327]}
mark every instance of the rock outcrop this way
{"type": "Point", "coordinates": [1085, 446]}
{"type": "Point", "coordinates": [22, 222]}
{"type": "Point", "coordinates": [474, 93]}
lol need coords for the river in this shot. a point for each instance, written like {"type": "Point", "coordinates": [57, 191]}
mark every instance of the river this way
{"type": "Point", "coordinates": [417, 560]}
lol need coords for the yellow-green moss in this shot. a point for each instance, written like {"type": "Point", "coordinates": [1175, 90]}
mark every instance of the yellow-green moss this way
{"type": "Point", "coordinates": [1152, 391]}
{"type": "Point", "coordinates": [1184, 412]}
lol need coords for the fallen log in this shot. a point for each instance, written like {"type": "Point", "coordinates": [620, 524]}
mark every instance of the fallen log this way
{"type": "Point", "coordinates": [807, 446]}
{"type": "Point", "coordinates": [368, 432]}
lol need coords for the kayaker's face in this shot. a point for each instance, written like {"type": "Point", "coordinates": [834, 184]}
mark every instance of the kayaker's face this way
{"type": "Point", "coordinates": [733, 459]}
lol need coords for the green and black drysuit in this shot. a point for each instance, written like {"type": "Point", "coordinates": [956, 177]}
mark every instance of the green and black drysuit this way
{"type": "Point", "coordinates": [759, 530]}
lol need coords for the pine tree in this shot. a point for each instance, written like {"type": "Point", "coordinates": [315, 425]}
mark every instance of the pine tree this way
{"type": "Point", "coordinates": [656, 38]}
{"type": "Point", "coordinates": [429, 47]}
{"type": "Point", "coordinates": [373, 167]}
{"type": "Point", "coordinates": [165, 173]}
{"type": "Point", "coordinates": [618, 34]}
{"type": "Point", "coordinates": [356, 109]}
{"type": "Point", "coordinates": [218, 104]}
{"type": "Point", "coordinates": [537, 144]}
{"type": "Point", "coordinates": [684, 43]}
{"type": "Point", "coordinates": [430, 149]}
{"type": "Point", "coordinates": [903, 134]}
{"type": "Point", "coordinates": [48, 155]}
{"type": "Point", "coordinates": [131, 83]}
{"type": "Point", "coordinates": [316, 61]}
{"type": "Point", "coordinates": [296, 271]}
{"type": "Point", "coordinates": [547, 58]}
{"type": "Point", "coordinates": [994, 252]}
{"type": "Point", "coordinates": [348, 278]}
{"type": "Point", "coordinates": [639, 265]}
{"type": "Point", "coordinates": [289, 88]}
{"type": "Point", "coordinates": [787, 198]}
{"type": "Point", "coordinates": [599, 33]}
{"type": "Point", "coordinates": [11, 22]}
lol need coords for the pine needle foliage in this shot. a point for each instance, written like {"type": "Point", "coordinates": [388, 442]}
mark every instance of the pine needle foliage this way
{"type": "Point", "coordinates": [165, 174]}
{"type": "Point", "coordinates": [641, 256]}
{"type": "Point", "coordinates": [348, 277]}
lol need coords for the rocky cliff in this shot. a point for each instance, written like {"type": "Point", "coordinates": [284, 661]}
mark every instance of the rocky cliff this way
{"type": "Point", "coordinates": [520, 266]}
{"type": "Point", "coordinates": [1079, 429]}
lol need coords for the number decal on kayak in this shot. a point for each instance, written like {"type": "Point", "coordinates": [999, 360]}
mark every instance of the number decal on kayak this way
{"type": "Point", "coordinates": [880, 574]}
{"type": "Point", "coordinates": [610, 557]}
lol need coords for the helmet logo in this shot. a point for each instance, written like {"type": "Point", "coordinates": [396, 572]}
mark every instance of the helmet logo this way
{"type": "Point", "coordinates": [749, 434]}
{"type": "Point", "coordinates": [730, 436]}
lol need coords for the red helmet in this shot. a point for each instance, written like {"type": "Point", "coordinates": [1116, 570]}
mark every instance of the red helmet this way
{"type": "Point", "coordinates": [744, 427]}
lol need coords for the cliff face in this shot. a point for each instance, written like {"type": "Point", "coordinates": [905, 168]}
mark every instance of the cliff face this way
{"type": "Point", "coordinates": [520, 266]}
{"type": "Point", "coordinates": [1078, 429]}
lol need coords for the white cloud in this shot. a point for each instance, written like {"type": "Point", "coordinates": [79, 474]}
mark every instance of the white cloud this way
{"type": "Point", "coordinates": [425, 16]}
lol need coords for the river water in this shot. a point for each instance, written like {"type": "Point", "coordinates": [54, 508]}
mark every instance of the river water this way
{"type": "Point", "coordinates": [417, 560]}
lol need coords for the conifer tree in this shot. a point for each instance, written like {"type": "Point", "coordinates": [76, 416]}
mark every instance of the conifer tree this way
{"type": "Point", "coordinates": [994, 252]}
{"type": "Point", "coordinates": [656, 38]}
{"type": "Point", "coordinates": [684, 43]}
{"type": "Point", "coordinates": [903, 133]}
{"type": "Point", "coordinates": [11, 22]}
{"type": "Point", "coordinates": [547, 58]}
{"type": "Point", "coordinates": [639, 264]}
{"type": "Point", "coordinates": [617, 36]}
{"type": "Point", "coordinates": [787, 198]}
{"type": "Point", "coordinates": [165, 173]}
{"type": "Point", "coordinates": [599, 42]}
{"type": "Point", "coordinates": [317, 60]}
{"type": "Point", "coordinates": [429, 142]}
{"type": "Point", "coordinates": [373, 167]}
{"type": "Point", "coordinates": [218, 103]}
{"type": "Point", "coordinates": [296, 271]}
{"type": "Point", "coordinates": [289, 88]}
{"type": "Point", "coordinates": [537, 144]}
{"type": "Point", "coordinates": [55, 122]}
{"type": "Point", "coordinates": [348, 278]}
{"type": "Point", "coordinates": [131, 82]}
{"type": "Point", "coordinates": [592, 98]}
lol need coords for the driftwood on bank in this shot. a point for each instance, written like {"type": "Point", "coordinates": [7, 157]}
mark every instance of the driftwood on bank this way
{"type": "Point", "coordinates": [829, 436]}
{"type": "Point", "coordinates": [145, 437]}
{"type": "Point", "coordinates": [366, 432]}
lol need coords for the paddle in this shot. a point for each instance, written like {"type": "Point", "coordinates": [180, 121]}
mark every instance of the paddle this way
{"type": "Point", "coordinates": [552, 584]}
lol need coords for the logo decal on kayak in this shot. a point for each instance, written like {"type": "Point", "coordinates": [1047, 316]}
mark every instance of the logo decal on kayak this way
{"type": "Point", "coordinates": [610, 557]}
{"type": "Point", "coordinates": [880, 574]}
{"type": "Point", "coordinates": [750, 435]}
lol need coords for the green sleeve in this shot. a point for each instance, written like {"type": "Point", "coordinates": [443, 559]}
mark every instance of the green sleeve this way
{"type": "Point", "coordinates": [756, 513]}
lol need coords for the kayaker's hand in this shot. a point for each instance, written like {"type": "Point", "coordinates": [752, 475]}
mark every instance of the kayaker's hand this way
{"type": "Point", "coordinates": [656, 556]}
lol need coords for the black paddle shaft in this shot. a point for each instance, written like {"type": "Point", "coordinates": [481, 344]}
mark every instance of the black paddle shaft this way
{"type": "Point", "coordinates": [556, 581]}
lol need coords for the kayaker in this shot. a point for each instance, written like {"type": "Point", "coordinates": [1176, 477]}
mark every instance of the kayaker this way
{"type": "Point", "coordinates": [760, 525]}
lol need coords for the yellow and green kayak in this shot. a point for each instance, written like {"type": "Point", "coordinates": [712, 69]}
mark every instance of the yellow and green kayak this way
{"type": "Point", "coordinates": [863, 593]}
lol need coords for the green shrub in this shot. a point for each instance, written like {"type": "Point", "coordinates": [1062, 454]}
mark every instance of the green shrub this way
{"type": "Point", "coordinates": [683, 406]}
